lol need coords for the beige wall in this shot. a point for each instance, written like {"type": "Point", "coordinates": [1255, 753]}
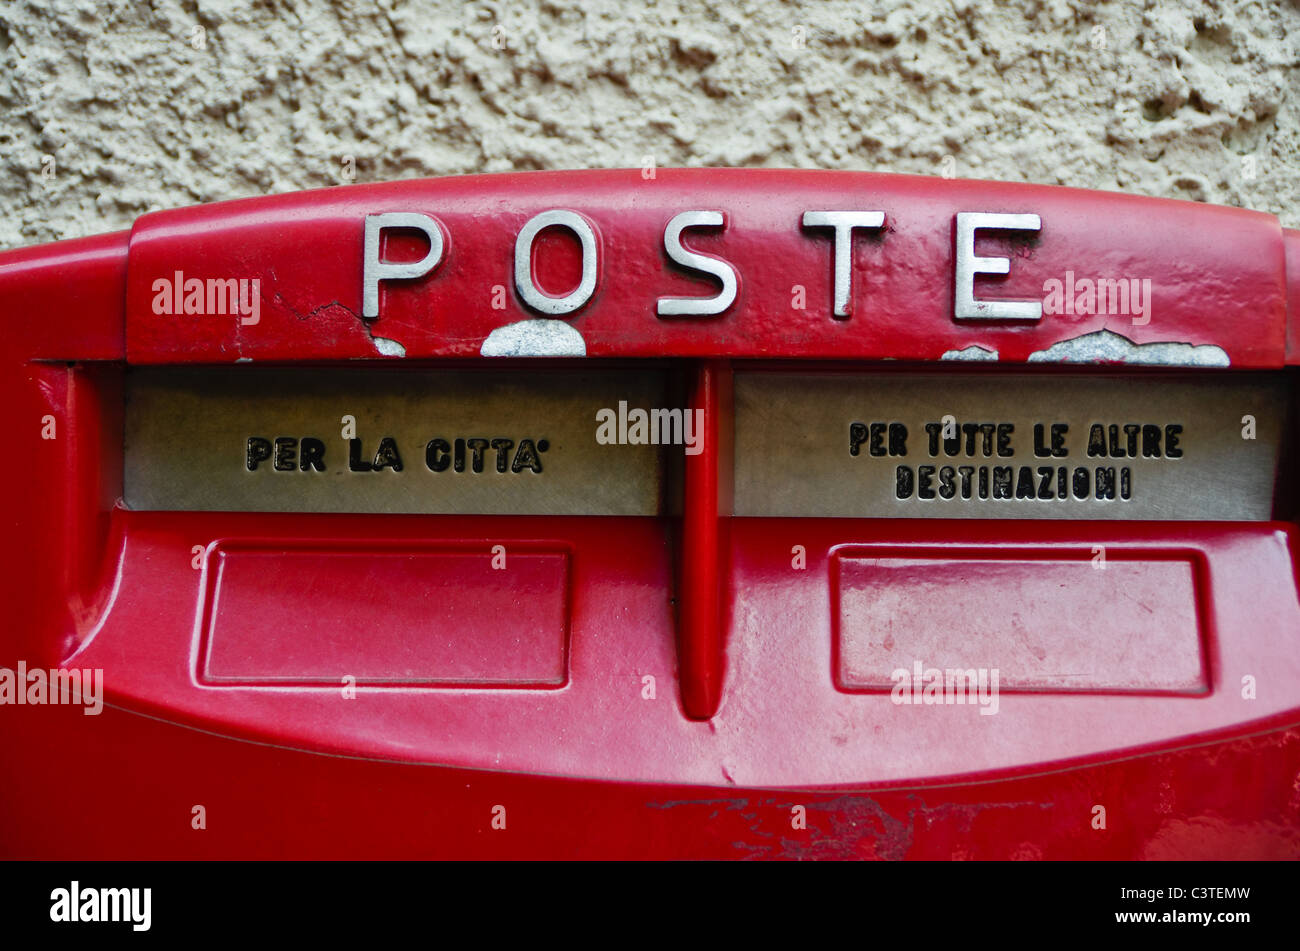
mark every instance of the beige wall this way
{"type": "Point", "coordinates": [113, 109]}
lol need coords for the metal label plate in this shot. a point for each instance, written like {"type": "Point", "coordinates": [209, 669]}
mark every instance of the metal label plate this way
{"type": "Point", "coordinates": [1026, 446]}
{"type": "Point", "coordinates": [471, 442]}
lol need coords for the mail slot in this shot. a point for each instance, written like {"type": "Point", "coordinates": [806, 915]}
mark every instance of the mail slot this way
{"type": "Point", "coordinates": [439, 441]}
{"type": "Point", "coordinates": [747, 480]}
{"type": "Point", "coordinates": [1064, 446]}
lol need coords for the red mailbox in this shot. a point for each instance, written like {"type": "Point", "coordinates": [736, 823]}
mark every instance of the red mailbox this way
{"type": "Point", "coordinates": [715, 513]}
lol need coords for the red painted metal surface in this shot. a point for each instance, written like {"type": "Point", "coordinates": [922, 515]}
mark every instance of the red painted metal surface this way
{"type": "Point", "coordinates": [750, 694]}
{"type": "Point", "coordinates": [293, 616]}
{"type": "Point", "coordinates": [1291, 240]}
{"type": "Point", "coordinates": [781, 722]}
{"type": "Point", "coordinates": [1227, 800]}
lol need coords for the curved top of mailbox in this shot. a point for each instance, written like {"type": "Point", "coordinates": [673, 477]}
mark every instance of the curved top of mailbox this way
{"type": "Point", "coordinates": [711, 262]}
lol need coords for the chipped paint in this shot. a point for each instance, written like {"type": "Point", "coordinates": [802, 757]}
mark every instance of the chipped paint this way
{"type": "Point", "coordinates": [389, 348]}
{"type": "Point", "coordinates": [1104, 346]}
{"type": "Point", "coordinates": [540, 337]}
{"type": "Point", "coordinates": [973, 352]}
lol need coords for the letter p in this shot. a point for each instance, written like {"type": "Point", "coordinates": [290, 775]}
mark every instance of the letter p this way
{"type": "Point", "coordinates": [375, 270]}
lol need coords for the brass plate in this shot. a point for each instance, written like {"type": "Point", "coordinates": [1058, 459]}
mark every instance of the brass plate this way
{"type": "Point", "coordinates": [794, 434]}
{"type": "Point", "coordinates": [187, 433]}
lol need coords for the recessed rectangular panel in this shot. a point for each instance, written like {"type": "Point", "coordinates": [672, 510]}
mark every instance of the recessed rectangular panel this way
{"type": "Point", "coordinates": [1113, 621]}
{"type": "Point", "coordinates": [1032, 445]}
{"type": "Point", "coordinates": [318, 615]}
{"type": "Point", "coordinates": [256, 439]}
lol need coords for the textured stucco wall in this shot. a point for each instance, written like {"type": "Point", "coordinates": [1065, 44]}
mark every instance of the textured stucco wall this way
{"type": "Point", "coordinates": [113, 109]}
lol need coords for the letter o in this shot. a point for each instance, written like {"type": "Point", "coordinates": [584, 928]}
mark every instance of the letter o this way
{"type": "Point", "coordinates": [532, 296]}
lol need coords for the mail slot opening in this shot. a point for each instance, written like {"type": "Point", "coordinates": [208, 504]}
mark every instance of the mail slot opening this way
{"type": "Point", "coordinates": [1065, 444]}
{"type": "Point", "coordinates": [518, 441]}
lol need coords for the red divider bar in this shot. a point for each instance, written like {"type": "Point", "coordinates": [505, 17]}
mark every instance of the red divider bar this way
{"type": "Point", "coordinates": [702, 559]}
